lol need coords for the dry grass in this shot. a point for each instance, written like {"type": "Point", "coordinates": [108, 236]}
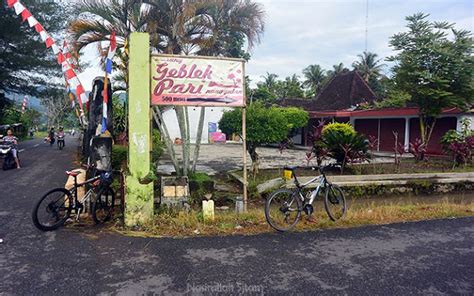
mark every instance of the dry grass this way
{"type": "Point", "coordinates": [253, 222]}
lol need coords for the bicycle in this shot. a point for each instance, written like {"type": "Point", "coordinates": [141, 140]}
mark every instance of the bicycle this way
{"type": "Point", "coordinates": [283, 207]}
{"type": "Point", "coordinates": [57, 204]}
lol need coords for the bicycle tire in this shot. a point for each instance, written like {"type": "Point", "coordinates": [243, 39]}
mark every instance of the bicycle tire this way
{"type": "Point", "coordinates": [58, 193]}
{"type": "Point", "coordinates": [336, 199]}
{"type": "Point", "coordinates": [268, 208]}
{"type": "Point", "coordinates": [103, 206]}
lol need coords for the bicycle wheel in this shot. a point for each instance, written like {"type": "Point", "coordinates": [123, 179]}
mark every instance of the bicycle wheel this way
{"type": "Point", "coordinates": [283, 209]}
{"type": "Point", "coordinates": [52, 210]}
{"type": "Point", "coordinates": [103, 206]}
{"type": "Point", "coordinates": [334, 202]}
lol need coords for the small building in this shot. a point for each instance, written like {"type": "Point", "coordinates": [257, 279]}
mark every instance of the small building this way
{"type": "Point", "coordinates": [340, 101]}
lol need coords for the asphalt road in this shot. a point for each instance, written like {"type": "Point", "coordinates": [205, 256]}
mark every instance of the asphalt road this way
{"type": "Point", "coordinates": [423, 258]}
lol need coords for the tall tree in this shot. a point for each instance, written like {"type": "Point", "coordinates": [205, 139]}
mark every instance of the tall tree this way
{"type": "Point", "coordinates": [314, 77]}
{"type": "Point", "coordinates": [434, 69]}
{"type": "Point", "coordinates": [26, 64]}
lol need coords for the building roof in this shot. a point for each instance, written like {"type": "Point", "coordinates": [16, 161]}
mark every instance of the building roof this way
{"type": "Point", "coordinates": [344, 91]}
{"type": "Point", "coordinates": [384, 112]}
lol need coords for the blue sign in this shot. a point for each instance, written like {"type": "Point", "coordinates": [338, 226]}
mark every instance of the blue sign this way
{"type": "Point", "coordinates": [212, 127]}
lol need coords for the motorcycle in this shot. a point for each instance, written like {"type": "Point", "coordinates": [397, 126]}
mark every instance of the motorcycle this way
{"type": "Point", "coordinates": [60, 142]}
{"type": "Point", "coordinates": [7, 154]}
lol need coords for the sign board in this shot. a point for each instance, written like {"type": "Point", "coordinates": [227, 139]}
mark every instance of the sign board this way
{"type": "Point", "coordinates": [217, 137]}
{"type": "Point", "coordinates": [197, 81]}
{"type": "Point", "coordinates": [212, 127]}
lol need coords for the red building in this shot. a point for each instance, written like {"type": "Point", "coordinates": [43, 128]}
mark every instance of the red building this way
{"type": "Point", "coordinates": [340, 101]}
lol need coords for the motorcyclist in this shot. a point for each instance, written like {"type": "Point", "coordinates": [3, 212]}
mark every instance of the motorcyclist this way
{"type": "Point", "coordinates": [51, 136]}
{"type": "Point", "coordinates": [61, 134]}
{"type": "Point", "coordinates": [10, 139]}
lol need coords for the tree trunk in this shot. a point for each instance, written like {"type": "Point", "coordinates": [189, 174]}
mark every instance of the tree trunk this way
{"type": "Point", "coordinates": [182, 128]}
{"type": "Point", "coordinates": [187, 159]}
{"type": "Point", "coordinates": [157, 116]}
{"type": "Point", "coordinates": [198, 138]}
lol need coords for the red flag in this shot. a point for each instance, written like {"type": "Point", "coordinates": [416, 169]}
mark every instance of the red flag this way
{"type": "Point", "coordinates": [25, 14]}
{"type": "Point", "coordinates": [49, 42]}
{"type": "Point", "coordinates": [11, 2]}
{"type": "Point", "coordinates": [70, 74]}
{"type": "Point", "coordinates": [79, 91]}
{"type": "Point", "coordinates": [39, 27]}
{"type": "Point", "coordinates": [60, 58]}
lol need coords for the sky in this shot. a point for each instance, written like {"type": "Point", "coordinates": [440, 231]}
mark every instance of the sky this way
{"type": "Point", "coordinates": [303, 32]}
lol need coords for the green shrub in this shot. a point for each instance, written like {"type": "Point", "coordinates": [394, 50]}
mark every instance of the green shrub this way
{"type": "Point", "coordinates": [158, 146]}
{"type": "Point", "coordinates": [119, 156]}
{"type": "Point", "coordinates": [344, 144]}
{"type": "Point", "coordinates": [343, 129]}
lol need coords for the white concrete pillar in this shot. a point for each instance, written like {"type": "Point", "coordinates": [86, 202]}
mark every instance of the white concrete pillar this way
{"type": "Point", "coordinates": [407, 134]}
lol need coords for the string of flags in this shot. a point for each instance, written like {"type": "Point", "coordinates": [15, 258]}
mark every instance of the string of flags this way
{"type": "Point", "coordinates": [64, 57]}
{"type": "Point", "coordinates": [108, 70]}
{"type": "Point", "coordinates": [23, 106]}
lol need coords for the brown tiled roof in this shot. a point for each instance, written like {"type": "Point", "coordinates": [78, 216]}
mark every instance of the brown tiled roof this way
{"type": "Point", "coordinates": [343, 91]}
{"type": "Point", "coordinates": [306, 104]}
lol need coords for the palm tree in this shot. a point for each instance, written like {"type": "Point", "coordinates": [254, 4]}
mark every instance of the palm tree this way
{"type": "Point", "coordinates": [269, 81]}
{"type": "Point", "coordinates": [314, 76]}
{"type": "Point", "coordinates": [100, 17]}
{"type": "Point", "coordinates": [368, 65]}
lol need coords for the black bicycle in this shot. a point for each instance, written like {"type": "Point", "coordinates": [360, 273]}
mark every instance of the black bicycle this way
{"type": "Point", "coordinates": [56, 206]}
{"type": "Point", "coordinates": [284, 206]}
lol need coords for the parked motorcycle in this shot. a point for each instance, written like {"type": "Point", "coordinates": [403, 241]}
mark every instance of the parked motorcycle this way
{"type": "Point", "coordinates": [60, 142]}
{"type": "Point", "coordinates": [7, 154]}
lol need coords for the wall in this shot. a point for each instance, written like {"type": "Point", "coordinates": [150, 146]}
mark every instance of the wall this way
{"type": "Point", "coordinates": [213, 114]}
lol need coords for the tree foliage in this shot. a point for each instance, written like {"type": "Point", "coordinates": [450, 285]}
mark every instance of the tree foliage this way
{"type": "Point", "coordinates": [434, 69]}
{"type": "Point", "coordinates": [26, 64]}
{"type": "Point", "coordinates": [264, 125]}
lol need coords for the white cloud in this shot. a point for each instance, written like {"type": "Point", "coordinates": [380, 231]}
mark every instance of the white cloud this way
{"type": "Point", "coordinates": [303, 32]}
{"type": "Point", "coordinates": [300, 33]}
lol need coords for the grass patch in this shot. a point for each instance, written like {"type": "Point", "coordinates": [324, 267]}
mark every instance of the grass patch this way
{"type": "Point", "coordinates": [40, 135]}
{"type": "Point", "coordinates": [200, 177]}
{"type": "Point", "coordinates": [181, 224]}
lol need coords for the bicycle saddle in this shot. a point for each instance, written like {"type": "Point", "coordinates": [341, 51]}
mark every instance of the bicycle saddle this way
{"type": "Point", "coordinates": [291, 168]}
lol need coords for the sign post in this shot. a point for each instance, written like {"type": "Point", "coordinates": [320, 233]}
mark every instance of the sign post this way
{"type": "Point", "coordinates": [140, 198]}
{"type": "Point", "coordinates": [201, 81]}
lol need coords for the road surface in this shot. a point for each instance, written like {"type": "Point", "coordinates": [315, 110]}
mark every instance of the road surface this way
{"type": "Point", "coordinates": [423, 258]}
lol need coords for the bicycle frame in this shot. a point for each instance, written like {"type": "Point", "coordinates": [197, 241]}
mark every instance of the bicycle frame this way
{"type": "Point", "coordinates": [76, 201]}
{"type": "Point", "coordinates": [320, 180]}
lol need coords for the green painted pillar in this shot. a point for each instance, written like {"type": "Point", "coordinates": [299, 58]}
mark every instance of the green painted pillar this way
{"type": "Point", "coordinates": [139, 197]}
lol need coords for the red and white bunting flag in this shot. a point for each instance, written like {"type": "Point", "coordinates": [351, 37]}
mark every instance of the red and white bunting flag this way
{"type": "Point", "coordinates": [23, 106]}
{"type": "Point", "coordinates": [10, 3]}
{"type": "Point", "coordinates": [61, 58]}
{"type": "Point", "coordinates": [55, 48]}
{"type": "Point", "coordinates": [70, 74]}
{"type": "Point", "coordinates": [25, 14]}
{"type": "Point", "coordinates": [64, 57]}
{"type": "Point", "coordinates": [32, 21]}
{"type": "Point", "coordinates": [43, 35]}
{"type": "Point", "coordinates": [18, 7]}
{"type": "Point", "coordinates": [49, 42]}
{"type": "Point", "coordinates": [74, 82]}
{"type": "Point", "coordinates": [39, 28]}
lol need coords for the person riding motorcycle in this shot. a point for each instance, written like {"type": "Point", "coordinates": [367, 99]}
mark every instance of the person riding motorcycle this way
{"type": "Point", "coordinates": [51, 136]}
{"type": "Point", "coordinates": [10, 139]}
{"type": "Point", "coordinates": [60, 136]}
